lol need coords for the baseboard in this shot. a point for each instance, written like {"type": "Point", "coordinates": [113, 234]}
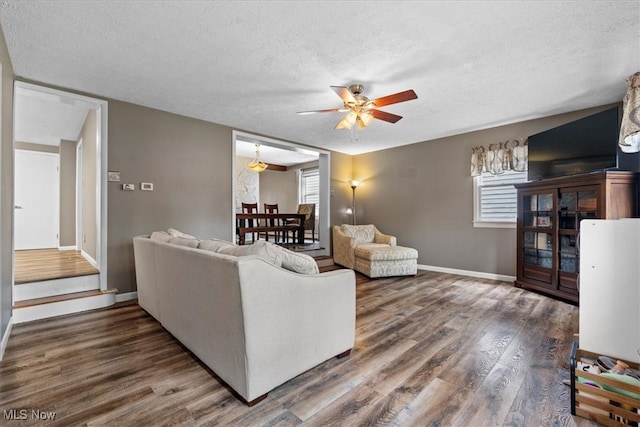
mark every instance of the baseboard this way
{"type": "Point", "coordinates": [479, 274]}
{"type": "Point", "coordinates": [67, 248]}
{"type": "Point", "coordinates": [128, 296]}
{"type": "Point", "coordinates": [90, 259]}
{"type": "Point", "coordinates": [5, 337]}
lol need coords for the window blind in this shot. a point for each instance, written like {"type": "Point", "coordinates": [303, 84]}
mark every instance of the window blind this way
{"type": "Point", "coordinates": [310, 186]}
{"type": "Point", "coordinates": [498, 197]}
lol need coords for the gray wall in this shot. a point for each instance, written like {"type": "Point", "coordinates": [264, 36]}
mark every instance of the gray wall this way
{"type": "Point", "coordinates": [340, 188]}
{"type": "Point", "coordinates": [90, 228]}
{"type": "Point", "coordinates": [279, 187]}
{"type": "Point", "coordinates": [423, 194]}
{"type": "Point", "coordinates": [36, 147]}
{"type": "Point", "coordinates": [188, 161]}
{"type": "Point", "coordinates": [67, 193]}
{"type": "Point", "coordinates": [6, 185]}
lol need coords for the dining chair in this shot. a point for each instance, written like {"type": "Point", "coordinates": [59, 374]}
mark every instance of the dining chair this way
{"type": "Point", "coordinates": [251, 208]}
{"type": "Point", "coordinates": [272, 222]}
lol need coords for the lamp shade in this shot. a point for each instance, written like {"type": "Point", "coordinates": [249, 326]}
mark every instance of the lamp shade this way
{"type": "Point", "coordinates": [257, 165]}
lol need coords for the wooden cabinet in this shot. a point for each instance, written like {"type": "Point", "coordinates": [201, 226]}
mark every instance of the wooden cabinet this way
{"type": "Point", "coordinates": [549, 215]}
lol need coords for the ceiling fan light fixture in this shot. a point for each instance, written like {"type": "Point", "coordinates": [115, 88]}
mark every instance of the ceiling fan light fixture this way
{"type": "Point", "coordinates": [362, 110]}
{"type": "Point", "coordinates": [365, 119]}
{"type": "Point", "coordinates": [347, 121]}
{"type": "Point", "coordinates": [257, 165]}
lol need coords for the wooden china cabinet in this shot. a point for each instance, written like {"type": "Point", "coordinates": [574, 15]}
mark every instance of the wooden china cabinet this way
{"type": "Point", "coordinates": [549, 215]}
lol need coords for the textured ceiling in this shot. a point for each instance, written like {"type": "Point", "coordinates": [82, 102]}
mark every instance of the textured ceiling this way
{"type": "Point", "coordinates": [252, 65]}
{"type": "Point", "coordinates": [46, 119]}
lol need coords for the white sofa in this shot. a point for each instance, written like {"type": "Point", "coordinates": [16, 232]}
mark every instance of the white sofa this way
{"type": "Point", "coordinates": [254, 323]}
{"type": "Point", "coordinates": [365, 249]}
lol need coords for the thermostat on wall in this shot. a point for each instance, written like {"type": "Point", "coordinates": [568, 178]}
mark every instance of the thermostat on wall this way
{"type": "Point", "coordinates": [146, 186]}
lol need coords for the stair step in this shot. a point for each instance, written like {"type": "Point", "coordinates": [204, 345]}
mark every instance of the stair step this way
{"type": "Point", "coordinates": [58, 298]}
{"type": "Point", "coordinates": [324, 261]}
{"type": "Point", "coordinates": [59, 305]}
{"type": "Point", "coordinates": [53, 287]}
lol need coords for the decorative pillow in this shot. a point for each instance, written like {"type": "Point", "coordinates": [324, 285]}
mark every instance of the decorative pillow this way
{"type": "Point", "coordinates": [176, 233]}
{"type": "Point", "coordinates": [297, 262]}
{"type": "Point", "coordinates": [265, 250]}
{"type": "Point", "coordinates": [192, 243]}
{"type": "Point", "coordinates": [160, 236]}
{"type": "Point", "coordinates": [214, 245]}
{"type": "Point", "coordinates": [360, 233]}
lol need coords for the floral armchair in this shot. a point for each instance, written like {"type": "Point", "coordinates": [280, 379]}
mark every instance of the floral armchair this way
{"type": "Point", "coordinates": [346, 238]}
{"type": "Point", "coordinates": [365, 249]}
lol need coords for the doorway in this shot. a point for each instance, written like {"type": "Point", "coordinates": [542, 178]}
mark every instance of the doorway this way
{"type": "Point", "coordinates": [36, 200]}
{"type": "Point", "coordinates": [71, 128]}
{"type": "Point", "coordinates": [282, 149]}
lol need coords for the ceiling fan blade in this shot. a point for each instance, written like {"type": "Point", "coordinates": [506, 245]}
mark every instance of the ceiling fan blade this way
{"type": "Point", "coordinates": [344, 93]}
{"type": "Point", "coordinates": [329, 110]}
{"type": "Point", "coordinates": [407, 95]}
{"type": "Point", "coordinates": [387, 117]}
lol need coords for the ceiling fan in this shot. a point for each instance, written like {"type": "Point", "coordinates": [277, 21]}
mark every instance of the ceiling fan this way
{"type": "Point", "coordinates": [363, 110]}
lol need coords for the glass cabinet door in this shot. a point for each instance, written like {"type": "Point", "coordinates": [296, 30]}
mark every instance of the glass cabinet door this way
{"type": "Point", "coordinates": [537, 237]}
{"type": "Point", "coordinates": [538, 249]}
{"type": "Point", "coordinates": [574, 206]}
{"type": "Point", "coordinates": [537, 210]}
{"type": "Point", "coordinates": [568, 253]}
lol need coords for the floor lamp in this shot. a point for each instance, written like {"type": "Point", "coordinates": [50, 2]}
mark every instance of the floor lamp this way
{"type": "Point", "coordinates": [354, 185]}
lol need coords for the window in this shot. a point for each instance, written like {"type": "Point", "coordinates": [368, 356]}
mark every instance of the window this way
{"type": "Point", "coordinates": [495, 199]}
{"type": "Point", "coordinates": [310, 187]}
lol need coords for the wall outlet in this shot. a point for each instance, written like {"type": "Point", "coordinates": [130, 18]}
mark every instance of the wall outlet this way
{"type": "Point", "coordinates": [128, 187]}
{"type": "Point", "coordinates": [113, 176]}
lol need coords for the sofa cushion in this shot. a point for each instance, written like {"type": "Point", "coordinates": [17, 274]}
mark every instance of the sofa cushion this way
{"type": "Point", "coordinates": [177, 233]}
{"type": "Point", "coordinates": [260, 248]}
{"type": "Point", "coordinates": [297, 262]}
{"type": "Point", "coordinates": [160, 236]}
{"type": "Point", "coordinates": [191, 243]}
{"type": "Point", "coordinates": [214, 245]}
{"type": "Point", "coordinates": [360, 233]}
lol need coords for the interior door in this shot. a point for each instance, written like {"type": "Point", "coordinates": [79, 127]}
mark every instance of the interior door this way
{"type": "Point", "coordinates": [36, 200]}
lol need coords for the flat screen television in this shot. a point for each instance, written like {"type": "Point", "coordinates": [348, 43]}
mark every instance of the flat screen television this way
{"type": "Point", "coordinates": [586, 145]}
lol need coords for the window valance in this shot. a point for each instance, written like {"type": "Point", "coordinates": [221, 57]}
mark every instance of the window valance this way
{"type": "Point", "coordinates": [499, 157]}
{"type": "Point", "coordinates": [630, 129]}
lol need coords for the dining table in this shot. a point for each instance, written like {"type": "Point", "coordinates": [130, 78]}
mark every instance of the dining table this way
{"type": "Point", "coordinates": [259, 223]}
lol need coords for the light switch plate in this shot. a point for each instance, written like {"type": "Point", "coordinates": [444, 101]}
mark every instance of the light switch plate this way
{"type": "Point", "coordinates": [113, 176]}
{"type": "Point", "coordinates": [146, 186]}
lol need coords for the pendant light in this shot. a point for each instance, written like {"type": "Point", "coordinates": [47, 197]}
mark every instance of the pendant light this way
{"type": "Point", "coordinates": [257, 165]}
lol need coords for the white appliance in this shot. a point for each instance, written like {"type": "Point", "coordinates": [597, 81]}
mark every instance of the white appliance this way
{"type": "Point", "coordinates": [610, 288]}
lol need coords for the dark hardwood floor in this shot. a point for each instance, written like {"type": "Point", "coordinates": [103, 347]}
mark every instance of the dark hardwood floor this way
{"type": "Point", "coordinates": [431, 350]}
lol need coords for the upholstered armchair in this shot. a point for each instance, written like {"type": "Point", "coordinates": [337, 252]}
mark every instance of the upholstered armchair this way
{"type": "Point", "coordinates": [365, 249]}
{"type": "Point", "coordinates": [309, 210]}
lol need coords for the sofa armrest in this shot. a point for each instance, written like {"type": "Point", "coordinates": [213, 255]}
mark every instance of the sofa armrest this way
{"type": "Point", "coordinates": [292, 322]}
{"type": "Point", "coordinates": [385, 238]}
{"type": "Point", "coordinates": [343, 248]}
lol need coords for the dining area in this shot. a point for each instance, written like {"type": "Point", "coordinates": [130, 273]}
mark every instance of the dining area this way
{"type": "Point", "coordinates": [272, 225]}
